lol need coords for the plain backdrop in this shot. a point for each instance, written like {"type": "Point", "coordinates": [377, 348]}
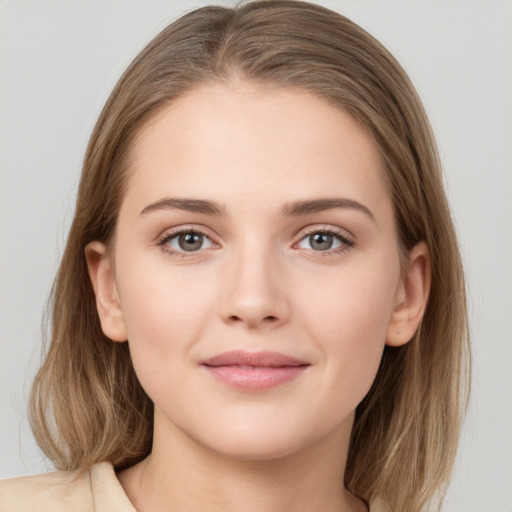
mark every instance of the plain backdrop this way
{"type": "Point", "coordinates": [59, 59]}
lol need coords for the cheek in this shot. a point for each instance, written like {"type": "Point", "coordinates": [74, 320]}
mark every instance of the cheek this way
{"type": "Point", "coordinates": [165, 313]}
{"type": "Point", "coordinates": [348, 318]}
{"type": "Point", "coordinates": [356, 301]}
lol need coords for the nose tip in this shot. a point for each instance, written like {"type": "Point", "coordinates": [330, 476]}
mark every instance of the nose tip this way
{"type": "Point", "coordinates": [255, 296]}
{"type": "Point", "coordinates": [255, 308]}
{"type": "Point", "coordinates": [253, 319]}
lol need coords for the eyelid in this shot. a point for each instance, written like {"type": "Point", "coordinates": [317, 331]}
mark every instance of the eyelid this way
{"type": "Point", "coordinates": [171, 233]}
{"type": "Point", "coordinates": [185, 228]}
{"type": "Point", "coordinates": [326, 228]}
{"type": "Point", "coordinates": [348, 240]}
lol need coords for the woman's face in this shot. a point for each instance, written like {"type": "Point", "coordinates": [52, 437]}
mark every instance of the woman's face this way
{"type": "Point", "coordinates": [255, 268]}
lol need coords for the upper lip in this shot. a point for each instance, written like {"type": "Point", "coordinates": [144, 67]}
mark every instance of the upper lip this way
{"type": "Point", "coordinates": [266, 359]}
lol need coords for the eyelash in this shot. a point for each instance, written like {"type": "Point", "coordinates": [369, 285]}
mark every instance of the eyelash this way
{"type": "Point", "coordinates": [347, 243]}
{"type": "Point", "coordinates": [168, 236]}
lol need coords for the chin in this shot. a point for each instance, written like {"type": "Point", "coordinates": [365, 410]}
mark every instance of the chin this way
{"type": "Point", "coordinates": [270, 439]}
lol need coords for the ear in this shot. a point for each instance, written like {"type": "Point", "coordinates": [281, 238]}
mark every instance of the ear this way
{"type": "Point", "coordinates": [101, 272]}
{"type": "Point", "coordinates": [411, 297]}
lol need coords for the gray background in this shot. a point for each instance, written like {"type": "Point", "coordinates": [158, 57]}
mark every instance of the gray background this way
{"type": "Point", "coordinates": [59, 60]}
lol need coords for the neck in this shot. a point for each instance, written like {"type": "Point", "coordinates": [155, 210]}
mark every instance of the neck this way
{"type": "Point", "coordinates": [181, 474]}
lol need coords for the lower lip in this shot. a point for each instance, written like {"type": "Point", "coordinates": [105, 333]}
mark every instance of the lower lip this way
{"type": "Point", "coordinates": [255, 379]}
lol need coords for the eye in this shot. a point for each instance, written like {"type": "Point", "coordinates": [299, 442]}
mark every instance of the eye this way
{"type": "Point", "coordinates": [186, 241]}
{"type": "Point", "coordinates": [325, 241]}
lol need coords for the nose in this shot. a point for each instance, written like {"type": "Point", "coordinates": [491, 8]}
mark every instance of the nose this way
{"type": "Point", "coordinates": [255, 294]}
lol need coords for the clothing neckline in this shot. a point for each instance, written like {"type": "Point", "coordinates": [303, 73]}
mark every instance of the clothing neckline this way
{"type": "Point", "coordinates": [107, 491]}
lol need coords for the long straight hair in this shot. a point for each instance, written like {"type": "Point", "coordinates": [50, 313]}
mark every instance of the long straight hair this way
{"type": "Point", "coordinates": [87, 404]}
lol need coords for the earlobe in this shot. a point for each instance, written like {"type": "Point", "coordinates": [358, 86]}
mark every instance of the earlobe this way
{"type": "Point", "coordinates": [411, 297]}
{"type": "Point", "coordinates": [101, 273]}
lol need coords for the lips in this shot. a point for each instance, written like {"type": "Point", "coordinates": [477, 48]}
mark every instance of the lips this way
{"type": "Point", "coordinates": [254, 371]}
{"type": "Point", "coordinates": [255, 359]}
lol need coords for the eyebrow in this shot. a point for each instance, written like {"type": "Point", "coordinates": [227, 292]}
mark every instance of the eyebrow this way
{"type": "Point", "coordinates": [319, 205]}
{"type": "Point", "coordinates": [190, 205]}
{"type": "Point", "coordinates": [293, 209]}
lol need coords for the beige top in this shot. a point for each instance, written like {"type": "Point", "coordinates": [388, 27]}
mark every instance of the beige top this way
{"type": "Point", "coordinates": [95, 490]}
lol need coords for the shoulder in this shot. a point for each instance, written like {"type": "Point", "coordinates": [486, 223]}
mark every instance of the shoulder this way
{"type": "Point", "coordinates": [54, 491]}
{"type": "Point", "coordinates": [64, 491]}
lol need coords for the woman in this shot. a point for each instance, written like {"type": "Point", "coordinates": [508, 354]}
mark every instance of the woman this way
{"type": "Point", "coordinates": [261, 302]}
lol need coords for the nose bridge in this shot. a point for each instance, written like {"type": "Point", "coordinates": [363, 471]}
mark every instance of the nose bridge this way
{"type": "Point", "coordinates": [254, 294]}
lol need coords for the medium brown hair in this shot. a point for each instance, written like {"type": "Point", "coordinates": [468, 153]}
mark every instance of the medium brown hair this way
{"type": "Point", "coordinates": [87, 404]}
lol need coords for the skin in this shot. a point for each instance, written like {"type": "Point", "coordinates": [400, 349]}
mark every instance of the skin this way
{"type": "Point", "coordinates": [256, 283]}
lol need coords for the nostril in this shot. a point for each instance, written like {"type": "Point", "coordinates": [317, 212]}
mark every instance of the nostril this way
{"type": "Point", "coordinates": [267, 319]}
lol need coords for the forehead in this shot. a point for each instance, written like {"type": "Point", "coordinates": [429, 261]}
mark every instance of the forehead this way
{"type": "Point", "coordinates": [262, 143]}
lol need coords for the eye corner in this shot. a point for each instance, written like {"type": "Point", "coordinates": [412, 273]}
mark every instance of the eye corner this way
{"type": "Point", "coordinates": [170, 242]}
{"type": "Point", "coordinates": [338, 241]}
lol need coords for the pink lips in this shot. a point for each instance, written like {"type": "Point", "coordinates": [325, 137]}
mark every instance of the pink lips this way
{"type": "Point", "coordinates": [254, 371]}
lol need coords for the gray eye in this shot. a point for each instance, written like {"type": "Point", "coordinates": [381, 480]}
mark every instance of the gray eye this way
{"type": "Point", "coordinates": [321, 241]}
{"type": "Point", "coordinates": [189, 241]}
